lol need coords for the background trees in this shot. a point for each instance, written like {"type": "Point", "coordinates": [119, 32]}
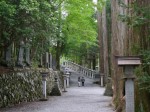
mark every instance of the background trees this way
{"type": "Point", "coordinates": [34, 23]}
{"type": "Point", "coordinates": [79, 27]}
{"type": "Point", "coordinates": [34, 27]}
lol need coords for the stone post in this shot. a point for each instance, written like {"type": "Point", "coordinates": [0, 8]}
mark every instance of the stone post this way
{"type": "Point", "coordinates": [51, 61]}
{"type": "Point", "coordinates": [20, 56]}
{"type": "Point", "coordinates": [44, 78]}
{"type": "Point", "coordinates": [128, 63]}
{"type": "Point", "coordinates": [54, 63]}
{"type": "Point", "coordinates": [28, 56]}
{"type": "Point", "coordinates": [65, 78]}
{"type": "Point", "coordinates": [66, 63]}
{"type": "Point", "coordinates": [67, 75]}
{"type": "Point", "coordinates": [129, 88]}
{"type": "Point", "coordinates": [84, 71]}
{"type": "Point", "coordinates": [41, 60]}
{"type": "Point", "coordinates": [47, 58]}
{"type": "Point", "coordinates": [93, 74]}
{"type": "Point", "coordinates": [8, 54]}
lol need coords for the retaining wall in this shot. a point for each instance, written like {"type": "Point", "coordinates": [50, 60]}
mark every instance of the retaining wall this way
{"type": "Point", "coordinates": [23, 85]}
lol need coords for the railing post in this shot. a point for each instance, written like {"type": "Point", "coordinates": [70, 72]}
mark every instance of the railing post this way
{"type": "Point", "coordinates": [83, 71]}
{"type": "Point", "coordinates": [86, 72]}
{"type": "Point", "coordinates": [67, 75]}
{"type": "Point", "coordinates": [65, 78]}
{"type": "Point", "coordinates": [92, 74]}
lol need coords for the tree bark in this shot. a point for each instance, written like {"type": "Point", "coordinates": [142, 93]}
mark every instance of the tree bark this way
{"type": "Point", "coordinates": [58, 56]}
{"type": "Point", "coordinates": [100, 42]}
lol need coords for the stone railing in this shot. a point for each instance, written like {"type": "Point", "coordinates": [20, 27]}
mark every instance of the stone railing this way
{"type": "Point", "coordinates": [80, 69]}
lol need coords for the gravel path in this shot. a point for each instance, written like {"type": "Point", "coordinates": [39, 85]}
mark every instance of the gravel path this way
{"type": "Point", "coordinates": [77, 99]}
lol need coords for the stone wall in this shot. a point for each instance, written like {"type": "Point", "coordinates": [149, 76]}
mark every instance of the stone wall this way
{"type": "Point", "coordinates": [23, 85]}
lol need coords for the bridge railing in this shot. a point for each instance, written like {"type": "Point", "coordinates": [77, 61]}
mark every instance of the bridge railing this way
{"type": "Point", "coordinates": [80, 69]}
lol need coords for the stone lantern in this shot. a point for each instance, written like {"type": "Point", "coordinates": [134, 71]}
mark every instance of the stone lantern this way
{"type": "Point", "coordinates": [44, 78]}
{"type": "Point", "coordinates": [68, 76]}
{"type": "Point", "coordinates": [65, 79]}
{"type": "Point", "coordinates": [129, 63]}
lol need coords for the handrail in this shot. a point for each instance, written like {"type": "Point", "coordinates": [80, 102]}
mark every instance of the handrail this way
{"type": "Point", "coordinates": [80, 69]}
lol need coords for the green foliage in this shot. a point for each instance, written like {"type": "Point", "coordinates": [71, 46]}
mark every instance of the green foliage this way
{"type": "Point", "coordinates": [135, 48]}
{"type": "Point", "coordinates": [33, 21]}
{"type": "Point", "coordinates": [7, 21]}
{"type": "Point", "coordinates": [138, 16]}
{"type": "Point", "coordinates": [146, 58]}
{"type": "Point", "coordinates": [79, 26]}
{"type": "Point", "coordinates": [101, 4]}
{"type": "Point", "coordinates": [56, 25]}
{"type": "Point", "coordinates": [79, 22]}
{"type": "Point", "coordinates": [144, 82]}
{"type": "Point", "coordinates": [143, 71]}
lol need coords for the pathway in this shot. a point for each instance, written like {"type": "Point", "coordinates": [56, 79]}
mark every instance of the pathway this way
{"type": "Point", "coordinates": [78, 99]}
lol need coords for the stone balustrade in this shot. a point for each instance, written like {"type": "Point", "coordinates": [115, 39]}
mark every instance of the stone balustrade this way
{"type": "Point", "coordinates": [80, 69]}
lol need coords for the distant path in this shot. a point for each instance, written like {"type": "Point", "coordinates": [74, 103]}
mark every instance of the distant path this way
{"type": "Point", "coordinates": [78, 99]}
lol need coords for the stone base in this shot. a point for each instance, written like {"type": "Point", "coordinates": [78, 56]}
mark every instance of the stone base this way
{"type": "Point", "coordinates": [43, 99]}
{"type": "Point", "coordinates": [64, 91]}
{"type": "Point", "coordinates": [56, 91]}
{"type": "Point", "coordinates": [108, 90]}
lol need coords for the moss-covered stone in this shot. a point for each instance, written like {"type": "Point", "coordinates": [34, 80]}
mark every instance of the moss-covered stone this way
{"type": "Point", "coordinates": [23, 85]}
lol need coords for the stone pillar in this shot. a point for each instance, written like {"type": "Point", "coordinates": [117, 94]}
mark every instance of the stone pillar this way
{"type": "Point", "coordinates": [8, 54]}
{"type": "Point", "coordinates": [66, 63]}
{"type": "Point", "coordinates": [44, 77]}
{"type": "Point", "coordinates": [54, 63]}
{"type": "Point", "coordinates": [84, 72]}
{"type": "Point", "coordinates": [44, 89]}
{"type": "Point", "coordinates": [47, 60]}
{"type": "Point", "coordinates": [79, 70]}
{"type": "Point", "coordinates": [63, 64]}
{"type": "Point", "coordinates": [27, 56]}
{"type": "Point", "coordinates": [65, 78]}
{"type": "Point", "coordinates": [92, 74]}
{"type": "Point", "coordinates": [68, 75]}
{"type": "Point", "coordinates": [20, 55]}
{"type": "Point", "coordinates": [41, 60]}
{"type": "Point", "coordinates": [129, 88]}
{"type": "Point", "coordinates": [51, 61]}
